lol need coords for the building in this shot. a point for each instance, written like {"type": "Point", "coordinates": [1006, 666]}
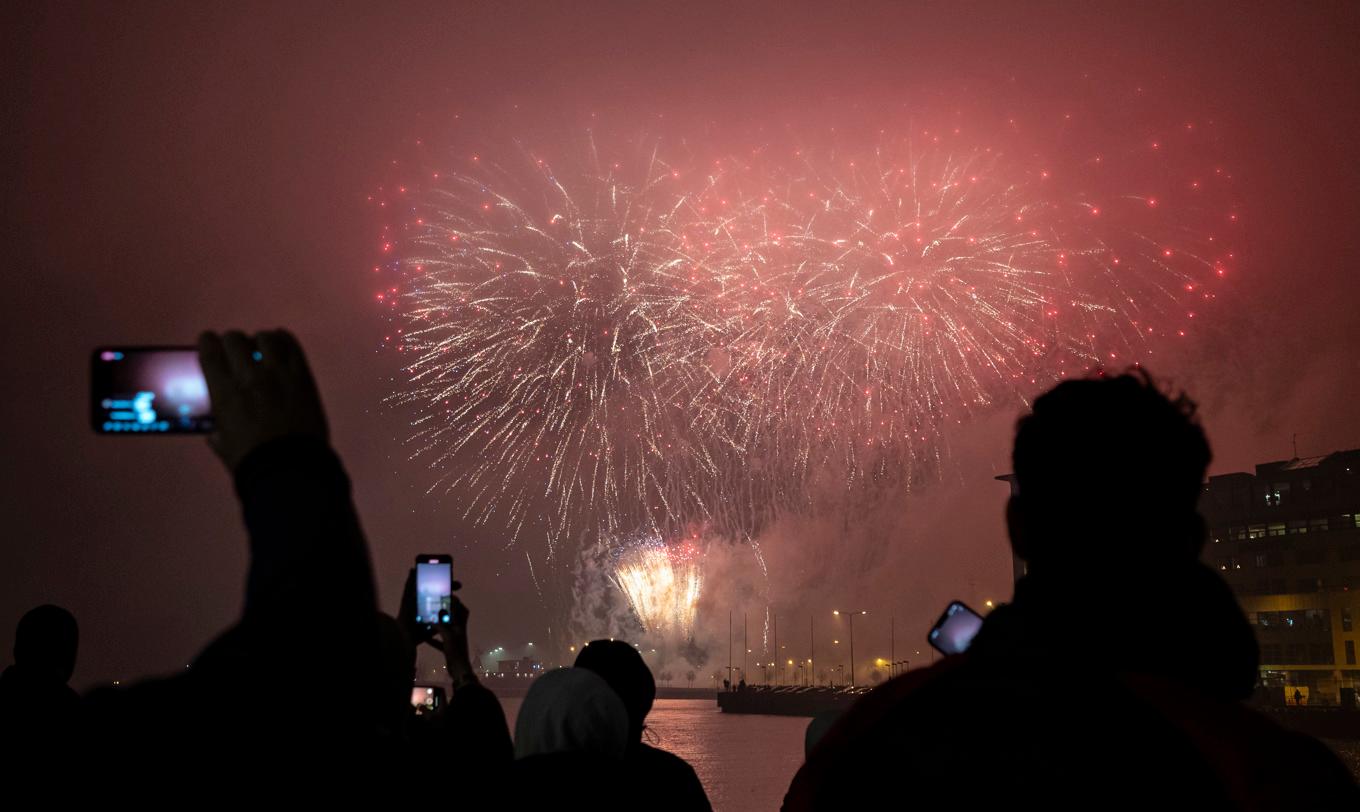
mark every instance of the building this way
{"type": "Point", "coordinates": [1287, 540]}
{"type": "Point", "coordinates": [524, 667]}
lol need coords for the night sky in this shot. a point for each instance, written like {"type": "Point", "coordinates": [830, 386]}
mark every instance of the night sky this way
{"type": "Point", "coordinates": [174, 167]}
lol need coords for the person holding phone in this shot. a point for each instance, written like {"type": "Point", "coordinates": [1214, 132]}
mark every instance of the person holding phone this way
{"type": "Point", "coordinates": [309, 594]}
{"type": "Point", "coordinates": [1115, 677]}
{"type": "Point", "coordinates": [470, 729]}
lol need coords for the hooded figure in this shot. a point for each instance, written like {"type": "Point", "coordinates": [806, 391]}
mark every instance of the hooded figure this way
{"type": "Point", "coordinates": [571, 710]}
{"type": "Point", "coordinates": [669, 779]}
{"type": "Point", "coordinates": [570, 738]}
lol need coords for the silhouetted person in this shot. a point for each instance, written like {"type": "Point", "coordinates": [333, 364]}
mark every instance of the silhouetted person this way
{"type": "Point", "coordinates": [670, 781]}
{"type": "Point", "coordinates": [38, 710]}
{"type": "Point", "coordinates": [818, 727]}
{"type": "Point", "coordinates": [1298, 697]}
{"type": "Point", "coordinates": [570, 738]}
{"type": "Point", "coordinates": [397, 657]}
{"type": "Point", "coordinates": [1147, 646]}
{"type": "Point", "coordinates": [469, 732]}
{"type": "Point", "coordinates": [309, 619]}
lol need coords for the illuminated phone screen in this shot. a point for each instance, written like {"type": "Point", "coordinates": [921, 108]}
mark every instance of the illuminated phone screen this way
{"type": "Point", "coordinates": [425, 698]}
{"type": "Point", "coordinates": [956, 629]}
{"type": "Point", "coordinates": [434, 590]}
{"type": "Point", "coordinates": [148, 390]}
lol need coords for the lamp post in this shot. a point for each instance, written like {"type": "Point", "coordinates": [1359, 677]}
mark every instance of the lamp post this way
{"type": "Point", "coordinates": [812, 648]}
{"type": "Point", "coordinates": [851, 614]}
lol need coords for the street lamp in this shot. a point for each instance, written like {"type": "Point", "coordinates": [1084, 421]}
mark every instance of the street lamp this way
{"type": "Point", "coordinates": [851, 614]}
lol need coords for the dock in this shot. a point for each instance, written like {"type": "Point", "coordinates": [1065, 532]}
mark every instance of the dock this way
{"type": "Point", "coordinates": [785, 700]}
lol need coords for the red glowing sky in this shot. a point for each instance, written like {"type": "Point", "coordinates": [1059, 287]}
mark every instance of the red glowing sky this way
{"type": "Point", "coordinates": [172, 167]}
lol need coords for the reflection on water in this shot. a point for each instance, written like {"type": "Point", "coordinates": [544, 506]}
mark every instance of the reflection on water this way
{"type": "Point", "coordinates": [747, 762]}
{"type": "Point", "coordinates": [744, 762]}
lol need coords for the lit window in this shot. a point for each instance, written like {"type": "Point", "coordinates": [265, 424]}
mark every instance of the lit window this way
{"type": "Point", "coordinates": [1275, 493]}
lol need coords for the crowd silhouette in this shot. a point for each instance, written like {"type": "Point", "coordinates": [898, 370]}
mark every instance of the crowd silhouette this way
{"type": "Point", "coordinates": [1081, 692]}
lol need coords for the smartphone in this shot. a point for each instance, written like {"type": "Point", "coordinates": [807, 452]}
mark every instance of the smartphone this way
{"type": "Point", "coordinates": [148, 390]}
{"type": "Point", "coordinates": [955, 629]}
{"type": "Point", "coordinates": [434, 588]}
{"type": "Point", "coordinates": [426, 698]}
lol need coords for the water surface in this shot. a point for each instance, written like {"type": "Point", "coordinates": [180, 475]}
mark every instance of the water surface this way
{"type": "Point", "coordinates": [744, 762]}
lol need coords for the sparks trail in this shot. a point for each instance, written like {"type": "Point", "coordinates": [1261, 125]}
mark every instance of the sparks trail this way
{"type": "Point", "coordinates": [559, 348]}
{"type": "Point", "coordinates": [619, 348]}
{"type": "Point", "coordinates": [661, 581]}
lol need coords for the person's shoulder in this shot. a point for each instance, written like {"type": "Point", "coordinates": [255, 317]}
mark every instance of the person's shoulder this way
{"type": "Point", "coordinates": [912, 687]}
{"type": "Point", "coordinates": [655, 756]}
{"type": "Point", "coordinates": [1253, 755]}
{"type": "Point", "coordinates": [675, 776]}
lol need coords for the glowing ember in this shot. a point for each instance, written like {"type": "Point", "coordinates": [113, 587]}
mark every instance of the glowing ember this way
{"type": "Point", "coordinates": [662, 583]}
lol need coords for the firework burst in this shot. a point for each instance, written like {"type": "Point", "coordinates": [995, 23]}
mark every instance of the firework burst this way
{"type": "Point", "coordinates": [617, 349]}
{"type": "Point", "coordinates": [558, 351]}
{"type": "Point", "coordinates": [662, 583]}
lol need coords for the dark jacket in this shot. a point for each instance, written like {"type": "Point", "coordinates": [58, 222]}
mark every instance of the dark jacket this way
{"type": "Point", "coordinates": [1124, 694]}
{"type": "Point", "coordinates": [310, 610]}
{"type": "Point", "coordinates": [37, 712]}
{"type": "Point", "coordinates": [666, 779]}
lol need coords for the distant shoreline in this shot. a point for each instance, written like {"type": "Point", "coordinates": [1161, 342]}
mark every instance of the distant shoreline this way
{"type": "Point", "coordinates": [514, 687]}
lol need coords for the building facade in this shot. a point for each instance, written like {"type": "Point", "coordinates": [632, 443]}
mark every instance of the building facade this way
{"type": "Point", "coordinates": [1287, 540]}
{"type": "Point", "coordinates": [521, 667]}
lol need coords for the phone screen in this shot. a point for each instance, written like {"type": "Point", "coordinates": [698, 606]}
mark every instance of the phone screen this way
{"type": "Point", "coordinates": [426, 698]}
{"type": "Point", "coordinates": [955, 629]}
{"type": "Point", "coordinates": [434, 588]}
{"type": "Point", "coordinates": [148, 390]}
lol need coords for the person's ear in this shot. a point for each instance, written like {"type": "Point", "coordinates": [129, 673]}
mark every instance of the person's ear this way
{"type": "Point", "coordinates": [1015, 527]}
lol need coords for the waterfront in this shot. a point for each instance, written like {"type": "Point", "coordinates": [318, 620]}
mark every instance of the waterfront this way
{"type": "Point", "coordinates": [744, 762]}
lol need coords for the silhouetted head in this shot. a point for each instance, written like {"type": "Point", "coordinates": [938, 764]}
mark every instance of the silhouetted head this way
{"type": "Point", "coordinates": [622, 667]}
{"type": "Point", "coordinates": [1108, 476]}
{"type": "Point", "coordinates": [571, 710]}
{"type": "Point", "coordinates": [45, 642]}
